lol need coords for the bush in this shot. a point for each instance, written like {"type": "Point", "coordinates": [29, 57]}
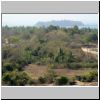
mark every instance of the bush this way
{"type": "Point", "coordinates": [90, 65]}
{"type": "Point", "coordinates": [61, 80]}
{"type": "Point", "coordinates": [72, 81]}
{"type": "Point", "coordinates": [82, 65]}
{"type": "Point", "coordinates": [52, 66]}
{"type": "Point", "coordinates": [45, 60]}
{"type": "Point", "coordinates": [88, 77]}
{"type": "Point", "coordinates": [50, 76]}
{"type": "Point", "coordinates": [7, 67]}
{"type": "Point", "coordinates": [74, 66]}
{"type": "Point", "coordinates": [38, 63]}
{"type": "Point", "coordinates": [42, 80]}
{"type": "Point", "coordinates": [78, 77]}
{"type": "Point", "coordinates": [6, 78]}
{"type": "Point", "coordinates": [30, 82]}
{"type": "Point", "coordinates": [16, 78]}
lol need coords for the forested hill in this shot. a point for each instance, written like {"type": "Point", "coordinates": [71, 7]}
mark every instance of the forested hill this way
{"type": "Point", "coordinates": [61, 23]}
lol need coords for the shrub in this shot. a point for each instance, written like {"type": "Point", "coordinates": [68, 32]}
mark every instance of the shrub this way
{"type": "Point", "coordinates": [42, 80]}
{"type": "Point", "coordinates": [16, 78]}
{"type": "Point", "coordinates": [52, 66]}
{"type": "Point", "coordinates": [30, 82]}
{"type": "Point", "coordinates": [61, 80]}
{"type": "Point", "coordinates": [50, 76]}
{"type": "Point", "coordinates": [74, 66]}
{"type": "Point", "coordinates": [45, 60]}
{"type": "Point", "coordinates": [88, 77]}
{"type": "Point", "coordinates": [82, 65]}
{"type": "Point", "coordinates": [90, 65]}
{"type": "Point", "coordinates": [6, 78]}
{"type": "Point", "coordinates": [78, 77]}
{"type": "Point", "coordinates": [38, 63]}
{"type": "Point", "coordinates": [7, 67]}
{"type": "Point", "coordinates": [72, 81]}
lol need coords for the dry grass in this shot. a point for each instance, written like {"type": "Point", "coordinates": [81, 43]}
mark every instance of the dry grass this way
{"type": "Point", "coordinates": [36, 71]}
{"type": "Point", "coordinates": [71, 73]}
{"type": "Point", "coordinates": [86, 83]}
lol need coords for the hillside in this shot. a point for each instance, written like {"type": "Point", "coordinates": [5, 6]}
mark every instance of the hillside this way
{"type": "Point", "coordinates": [48, 56]}
{"type": "Point", "coordinates": [61, 23]}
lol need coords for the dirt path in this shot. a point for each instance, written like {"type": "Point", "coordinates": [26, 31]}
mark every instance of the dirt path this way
{"type": "Point", "coordinates": [89, 50]}
{"type": "Point", "coordinates": [78, 83]}
{"type": "Point", "coordinates": [92, 51]}
{"type": "Point", "coordinates": [35, 71]}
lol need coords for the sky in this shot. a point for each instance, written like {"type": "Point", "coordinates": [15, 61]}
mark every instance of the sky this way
{"type": "Point", "coordinates": [32, 19]}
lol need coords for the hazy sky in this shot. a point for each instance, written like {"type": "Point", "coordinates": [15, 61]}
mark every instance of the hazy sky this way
{"type": "Point", "coordinates": [32, 19]}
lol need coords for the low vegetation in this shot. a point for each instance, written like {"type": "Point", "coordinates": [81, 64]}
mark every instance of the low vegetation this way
{"type": "Point", "coordinates": [88, 77]}
{"type": "Point", "coordinates": [61, 80]}
{"type": "Point", "coordinates": [53, 47]}
{"type": "Point", "coordinates": [16, 78]}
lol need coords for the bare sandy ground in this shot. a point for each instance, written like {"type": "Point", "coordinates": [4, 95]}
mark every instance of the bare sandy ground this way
{"type": "Point", "coordinates": [89, 50]}
{"type": "Point", "coordinates": [35, 71]}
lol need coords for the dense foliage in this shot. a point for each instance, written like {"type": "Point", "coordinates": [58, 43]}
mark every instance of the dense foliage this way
{"type": "Point", "coordinates": [52, 46]}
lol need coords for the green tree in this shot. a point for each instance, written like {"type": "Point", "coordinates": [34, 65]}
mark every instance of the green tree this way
{"type": "Point", "coordinates": [7, 67]}
{"type": "Point", "coordinates": [74, 30]}
{"type": "Point", "coordinates": [69, 57]}
{"type": "Point", "coordinates": [61, 80]}
{"type": "Point", "coordinates": [51, 27]}
{"type": "Point", "coordinates": [16, 78]}
{"type": "Point", "coordinates": [60, 56]}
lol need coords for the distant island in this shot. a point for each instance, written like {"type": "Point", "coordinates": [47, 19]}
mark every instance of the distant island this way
{"type": "Point", "coordinates": [61, 23]}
